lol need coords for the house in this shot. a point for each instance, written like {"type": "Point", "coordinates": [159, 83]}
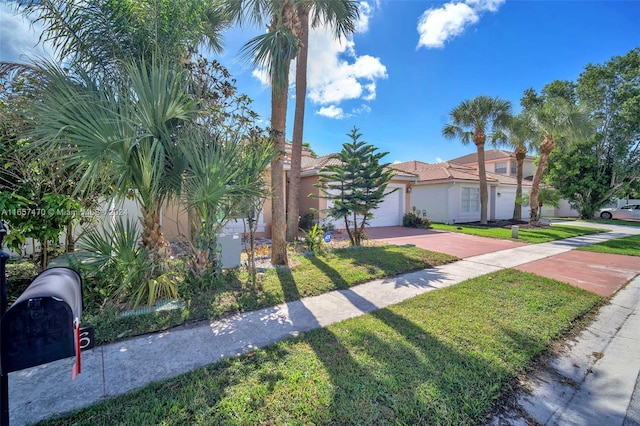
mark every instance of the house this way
{"type": "Point", "coordinates": [389, 213]}
{"type": "Point", "coordinates": [449, 192]}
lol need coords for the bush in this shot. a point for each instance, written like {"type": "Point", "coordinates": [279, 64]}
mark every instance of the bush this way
{"type": "Point", "coordinates": [306, 222]}
{"type": "Point", "coordinates": [411, 220]}
{"type": "Point", "coordinates": [313, 238]}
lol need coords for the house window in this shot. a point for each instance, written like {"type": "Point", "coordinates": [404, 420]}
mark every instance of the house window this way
{"type": "Point", "coordinates": [513, 167]}
{"type": "Point", "coordinates": [470, 200]}
{"type": "Point", "coordinates": [501, 168]}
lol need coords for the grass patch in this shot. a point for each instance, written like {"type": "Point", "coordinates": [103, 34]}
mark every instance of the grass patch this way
{"type": "Point", "coordinates": [615, 222]}
{"type": "Point", "coordinates": [534, 235]}
{"type": "Point", "coordinates": [232, 293]}
{"type": "Point", "coordinates": [629, 246]}
{"type": "Point", "coordinates": [441, 358]}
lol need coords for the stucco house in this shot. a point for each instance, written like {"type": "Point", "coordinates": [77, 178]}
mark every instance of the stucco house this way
{"type": "Point", "coordinates": [450, 191]}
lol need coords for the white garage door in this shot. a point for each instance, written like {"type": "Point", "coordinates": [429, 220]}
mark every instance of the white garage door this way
{"type": "Point", "coordinates": [388, 213]}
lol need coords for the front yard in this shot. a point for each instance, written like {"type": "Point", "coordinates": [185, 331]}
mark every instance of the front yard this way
{"type": "Point", "coordinates": [441, 358]}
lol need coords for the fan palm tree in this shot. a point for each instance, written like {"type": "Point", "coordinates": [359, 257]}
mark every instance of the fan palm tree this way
{"type": "Point", "coordinates": [472, 121]}
{"type": "Point", "coordinates": [520, 136]}
{"type": "Point", "coordinates": [341, 16]}
{"type": "Point", "coordinates": [119, 137]}
{"type": "Point", "coordinates": [555, 121]}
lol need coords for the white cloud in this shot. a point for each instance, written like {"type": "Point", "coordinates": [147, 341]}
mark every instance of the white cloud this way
{"type": "Point", "coordinates": [338, 113]}
{"type": "Point", "coordinates": [336, 73]}
{"type": "Point", "coordinates": [18, 37]}
{"type": "Point", "coordinates": [437, 25]}
{"type": "Point", "coordinates": [439, 160]}
{"type": "Point", "coordinates": [331, 111]}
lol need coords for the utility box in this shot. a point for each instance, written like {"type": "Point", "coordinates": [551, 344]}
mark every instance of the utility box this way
{"type": "Point", "coordinates": [231, 248]}
{"type": "Point", "coordinates": [43, 324]}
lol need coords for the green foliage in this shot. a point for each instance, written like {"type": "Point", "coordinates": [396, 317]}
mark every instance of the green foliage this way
{"type": "Point", "coordinates": [579, 177]}
{"type": "Point", "coordinates": [411, 220]}
{"type": "Point", "coordinates": [306, 222]}
{"type": "Point", "coordinates": [612, 93]}
{"type": "Point", "coordinates": [313, 238]}
{"type": "Point", "coordinates": [356, 186]}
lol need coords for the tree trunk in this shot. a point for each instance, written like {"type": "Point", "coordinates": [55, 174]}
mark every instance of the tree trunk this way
{"type": "Point", "coordinates": [152, 237]}
{"type": "Point", "coordinates": [278, 213]}
{"type": "Point", "coordinates": [69, 244]}
{"type": "Point", "coordinates": [298, 127]}
{"type": "Point", "coordinates": [479, 138]}
{"type": "Point", "coordinates": [545, 149]}
{"type": "Point", "coordinates": [521, 153]}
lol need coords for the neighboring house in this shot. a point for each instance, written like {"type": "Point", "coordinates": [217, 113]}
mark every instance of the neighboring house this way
{"type": "Point", "coordinates": [389, 213]}
{"type": "Point", "coordinates": [449, 192]}
{"type": "Point", "coordinates": [499, 162]}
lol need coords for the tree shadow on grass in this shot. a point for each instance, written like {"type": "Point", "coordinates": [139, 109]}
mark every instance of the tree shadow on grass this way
{"type": "Point", "coordinates": [388, 370]}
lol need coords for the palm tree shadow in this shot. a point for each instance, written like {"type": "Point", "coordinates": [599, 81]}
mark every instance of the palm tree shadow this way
{"type": "Point", "coordinates": [389, 370]}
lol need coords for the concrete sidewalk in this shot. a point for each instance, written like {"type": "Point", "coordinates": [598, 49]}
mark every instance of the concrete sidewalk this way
{"type": "Point", "coordinates": [114, 369]}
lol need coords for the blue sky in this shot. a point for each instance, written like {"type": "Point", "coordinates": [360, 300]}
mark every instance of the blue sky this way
{"type": "Point", "coordinates": [411, 62]}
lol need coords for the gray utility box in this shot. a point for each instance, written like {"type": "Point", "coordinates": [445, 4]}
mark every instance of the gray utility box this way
{"type": "Point", "coordinates": [42, 325]}
{"type": "Point", "coordinates": [231, 247]}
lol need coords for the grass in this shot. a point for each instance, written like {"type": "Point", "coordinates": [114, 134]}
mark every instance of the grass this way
{"type": "Point", "coordinates": [314, 275]}
{"type": "Point", "coordinates": [629, 246]}
{"type": "Point", "coordinates": [441, 358]}
{"type": "Point", "coordinates": [615, 222]}
{"type": "Point", "coordinates": [535, 235]}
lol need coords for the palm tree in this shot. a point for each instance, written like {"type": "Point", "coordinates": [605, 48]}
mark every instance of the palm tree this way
{"type": "Point", "coordinates": [555, 121]}
{"type": "Point", "coordinates": [98, 35]}
{"type": "Point", "coordinates": [119, 137]}
{"type": "Point", "coordinates": [471, 121]}
{"type": "Point", "coordinates": [341, 15]}
{"type": "Point", "coordinates": [274, 51]}
{"type": "Point", "coordinates": [519, 135]}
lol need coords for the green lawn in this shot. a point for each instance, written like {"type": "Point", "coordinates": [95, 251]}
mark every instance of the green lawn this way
{"type": "Point", "coordinates": [629, 246]}
{"type": "Point", "coordinates": [337, 269]}
{"type": "Point", "coordinates": [537, 235]}
{"type": "Point", "coordinates": [441, 358]}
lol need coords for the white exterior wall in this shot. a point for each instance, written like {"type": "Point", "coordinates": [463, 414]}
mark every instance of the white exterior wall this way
{"type": "Point", "coordinates": [432, 198]}
{"type": "Point", "coordinates": [505, 202]}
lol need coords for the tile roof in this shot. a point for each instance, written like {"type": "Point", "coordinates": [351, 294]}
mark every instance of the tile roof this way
{"type": "Point", "coordinates": [489, 155]}
{"type": "Point", "coordinates": [448, 171]}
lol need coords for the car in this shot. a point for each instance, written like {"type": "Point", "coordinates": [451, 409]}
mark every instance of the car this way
{"type": "Point", "coordinates": [630, 211]}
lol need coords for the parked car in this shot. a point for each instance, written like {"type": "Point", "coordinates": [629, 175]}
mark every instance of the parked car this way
{"type": "Point", "coordinates": [630, 211]}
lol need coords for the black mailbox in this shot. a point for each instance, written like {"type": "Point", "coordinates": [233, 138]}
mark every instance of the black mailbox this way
{"type": "Point", "coordinates": [43, 325]}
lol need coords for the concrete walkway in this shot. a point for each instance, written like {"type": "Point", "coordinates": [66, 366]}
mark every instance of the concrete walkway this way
{"type": "Point", "coordinates": [114, 369]}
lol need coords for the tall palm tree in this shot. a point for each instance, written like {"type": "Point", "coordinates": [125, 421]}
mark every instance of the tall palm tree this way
{"type": "Point", "coordinates": [274, 51]}
{"type": "Point", "coordinates": [341, 16]}
{"type": "Point", "coordinates": [555, 121]}
{"type": "Point", "coordinates": [474, 120]}
{"type": "Point", "coordinates": [118, 137]}
{"type": "Point", "coordinates": [520, 136]}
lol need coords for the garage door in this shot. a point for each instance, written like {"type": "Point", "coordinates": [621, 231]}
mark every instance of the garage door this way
{"type": "Point", "coordinates": [388, 213]}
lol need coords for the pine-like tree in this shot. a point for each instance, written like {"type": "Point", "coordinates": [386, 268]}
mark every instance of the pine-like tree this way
{"type": "Point", "coordinates": [356, 185]}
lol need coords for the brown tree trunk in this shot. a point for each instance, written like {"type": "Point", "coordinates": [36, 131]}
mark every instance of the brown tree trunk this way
{"type": "Point", "coordinates": [152, 237]}
{"type": "Point", "coordinates": [278, 213]}
{"type": "Point", "coordinates": [479, 138]}
{"type": "Point", "coordinates": [293, 201]}
{"type": "Point", "coordinates": [521, 153]}
{"type": "Point", "coordinates": [69, 244]}
{"type": "Point", "coordinates": [545, 149]}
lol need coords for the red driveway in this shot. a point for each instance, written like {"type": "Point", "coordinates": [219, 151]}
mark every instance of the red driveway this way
{"type": "Point", "coordinates": [597, 272]}
{"type": "Point", "coordinates": [601, 273]}
{"type": "Point", "coordinates": [459, 245]}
